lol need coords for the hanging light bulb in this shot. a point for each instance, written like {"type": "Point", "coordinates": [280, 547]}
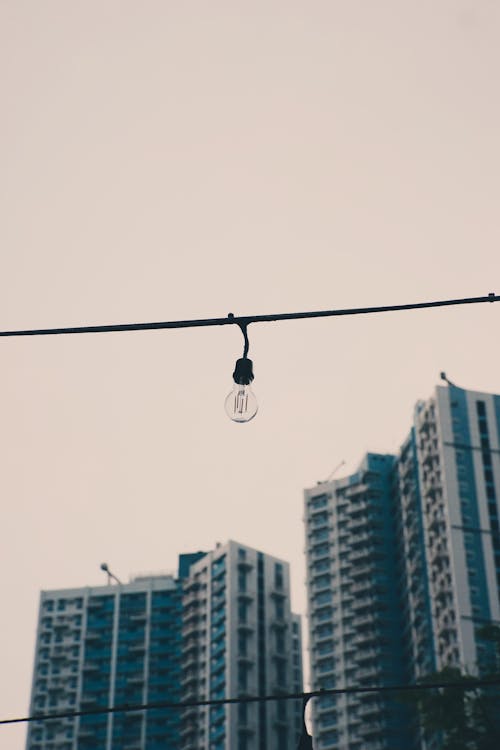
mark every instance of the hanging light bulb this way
{"type": "Point", "coordinates": [241, 404]}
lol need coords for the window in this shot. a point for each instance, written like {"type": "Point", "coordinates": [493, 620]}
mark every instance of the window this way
{"type": "Point", "coordinates": [326, 683]}
{"type": "Point", "coordinates": [321, 565]}
{"type": "Point", "coordinates": [282, 738]}
{"type": "Point", "coordinates": [242, 611]}
{"type": "Point", "coordinates": [280, 671]}
{"type": "Point", "coordinates": [329, 719]}
{"type": "Point", "coordinates": [326, 665]}
{"type": "Point", "coordinates": [278, 575]}
{"type": "Point", "coordinates": [242, 581]}
{"type": "Point", "coordinates": [324, 598]}
{"type": "Point", "coordinates": [319, 550]}
{"type": "Point", "coordinates": [322, 581]}
{"type": "Point", "coordinates": [486, 458]}
{"type": "Point", "coordinates": [242, 676]}
{"type": "Point", "coordinates": [242, 713]}
{"type": "Point", "coordinates": [327, 739]}
{"type": "Point", "coordinates": [488, 476]}
{"type": "Point", "coordinates": [318, 501]}
{"type": "Point", "coordinates": [325, 647]}
{"type": "Point", "coordinates": [279, 609]}
{"type": "Point", "coordinates": [481, 408]}
{"type": "Point", "coordinates": [280, 642]}
{"type": "Point", "coordinates": [242, 644]}
{"type": "Point", "coordinates": [324, 630]}
{"type": "Point", "coordinates": [324, 614]}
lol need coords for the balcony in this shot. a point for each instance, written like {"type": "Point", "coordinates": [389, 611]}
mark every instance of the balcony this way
{"type": "Point", "coordinates": [190, 693]}
{"type": "Point", "coordinates": [188, 715]}
{"type": "Point", "coordinates": [190, 629]}
{"type": "Point", "coordinates": [369, 709]}
{"type": "Point", "coordinates": [367, 673]}
{"type": "Point", "coordinates": [367, 553]}
{"type": "Point", "coordinates": [245, 565]}
{"type": "Point", "coordinates": [137, 617]}
{"type": "Point", "coordinates": [189, 679]}
{"type": "Point", "coordinates": [190, 645]}
{"type": "Point", "coordinates": [278, 593]}
{"type": "Point", "coordinates": [362, 571]}
{"type": "Point", "coordinates": [91, 667]}
{"type": "Point", "coordinates": [373, 729]}
{"type": "Point", "coordinates": [137, 648]}
{"type": "Point", "coordinates": [366, 620]}
{"type": "Point", "coordinates": [245, 659]}
{"type": "Point", "coordinates": [190, 661]}
{"type": "Point", "coordinates": [357, 588]}
{"type": "Point", "coordinates": [245, 596]}
{"type": "Point", "coordinates": [191, 585]}
{"type": "Point", "coordinates": [190, 615]}
{"type": "Point", "coordinates": [191, 598]}
{"type": "Point", "coordinates": [361, 603]}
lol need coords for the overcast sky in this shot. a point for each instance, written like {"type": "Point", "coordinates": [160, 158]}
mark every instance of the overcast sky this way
{"type": "Point", "coordinates": [163, 160]}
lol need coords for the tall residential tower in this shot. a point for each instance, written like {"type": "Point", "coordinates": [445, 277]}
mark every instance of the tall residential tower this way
{"type": "Point", "coordinates": [240, 639]}
{"type": "Point", "coordinates": [104, 646]}
{"type": "Point", "coordinates": [404, 567]}
{"type": "Point", "coordinates": [355, 622]}
{"type": "Point", "coordinates": [222, 629]}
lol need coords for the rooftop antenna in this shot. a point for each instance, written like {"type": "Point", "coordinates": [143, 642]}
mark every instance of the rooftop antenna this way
{"type": "Point", "coordinates": [446, 380]}
{"type": "Point", "coordinates": [104, 566]}
{"type": "Point", "coordinates": [330, 477]}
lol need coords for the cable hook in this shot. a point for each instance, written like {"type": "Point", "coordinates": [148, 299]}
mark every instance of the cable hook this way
{"type": "Point", "coordinates": [243, 326]}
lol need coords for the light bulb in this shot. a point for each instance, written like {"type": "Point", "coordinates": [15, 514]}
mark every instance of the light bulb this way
{"type": "Point", "coordinates": [241, 404]}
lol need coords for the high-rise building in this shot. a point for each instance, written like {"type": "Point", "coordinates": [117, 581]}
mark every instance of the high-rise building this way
{"type": "Point", "coordinates": [104, 646]}
{"type": "Point", "coordinates": [240, 639]}
{"type": "Point", "coordinates": [404, 567]}
{"type": "Point", "coordinates": [355, 621]}
{"type": "Point", "coordinates": [222, 628]}
{"type": "Point", "coordinates": [449, 518]}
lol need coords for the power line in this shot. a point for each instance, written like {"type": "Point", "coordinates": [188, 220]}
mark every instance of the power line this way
{"type": "Point", "coordinates": [467, 684]}
{"type": "Point", "coordinates": [246, 320]}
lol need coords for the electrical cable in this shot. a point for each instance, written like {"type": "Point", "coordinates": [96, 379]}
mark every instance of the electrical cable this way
{"type": "Point", "coordinates": [243, 321]}
{"type": "Point", "coordinates": [468, 684]}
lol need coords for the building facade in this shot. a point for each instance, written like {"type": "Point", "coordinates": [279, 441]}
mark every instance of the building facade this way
{"type": "Point", "coordinates": [104, 646]}
{"type": "Point", "coordinates": [223, 628]}
{"type": "Point", "coordinates": [403, 567]}
{"type": "Point", "coordinates": [456, 438]}
{"type": "Point", "coordinates": [355, 619]}
{"type": "Point", "coordinates": [240, 639]}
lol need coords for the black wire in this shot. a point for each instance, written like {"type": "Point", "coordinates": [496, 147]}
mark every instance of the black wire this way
{"type": "Point", "coordinates": [246, 320]}
{"type": "Point", "coordinates": [468, 684]}
{"type": "Point", "coordinates": [243, 322]}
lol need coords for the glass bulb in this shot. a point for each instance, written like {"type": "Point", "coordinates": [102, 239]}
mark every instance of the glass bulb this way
{"type": "Point", "coordinates": [241, 404]}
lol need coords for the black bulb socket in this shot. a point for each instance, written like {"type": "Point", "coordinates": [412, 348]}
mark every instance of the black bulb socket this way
{"type": "Point", "coordinates": [243, 371]}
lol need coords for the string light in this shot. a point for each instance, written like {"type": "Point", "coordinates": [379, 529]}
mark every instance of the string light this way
{"type": "Point", "coordinates": [241, 404]}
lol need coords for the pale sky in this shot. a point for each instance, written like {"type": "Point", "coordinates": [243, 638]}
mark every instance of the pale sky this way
{"type": "Point", "coordinates": [164, 160]}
